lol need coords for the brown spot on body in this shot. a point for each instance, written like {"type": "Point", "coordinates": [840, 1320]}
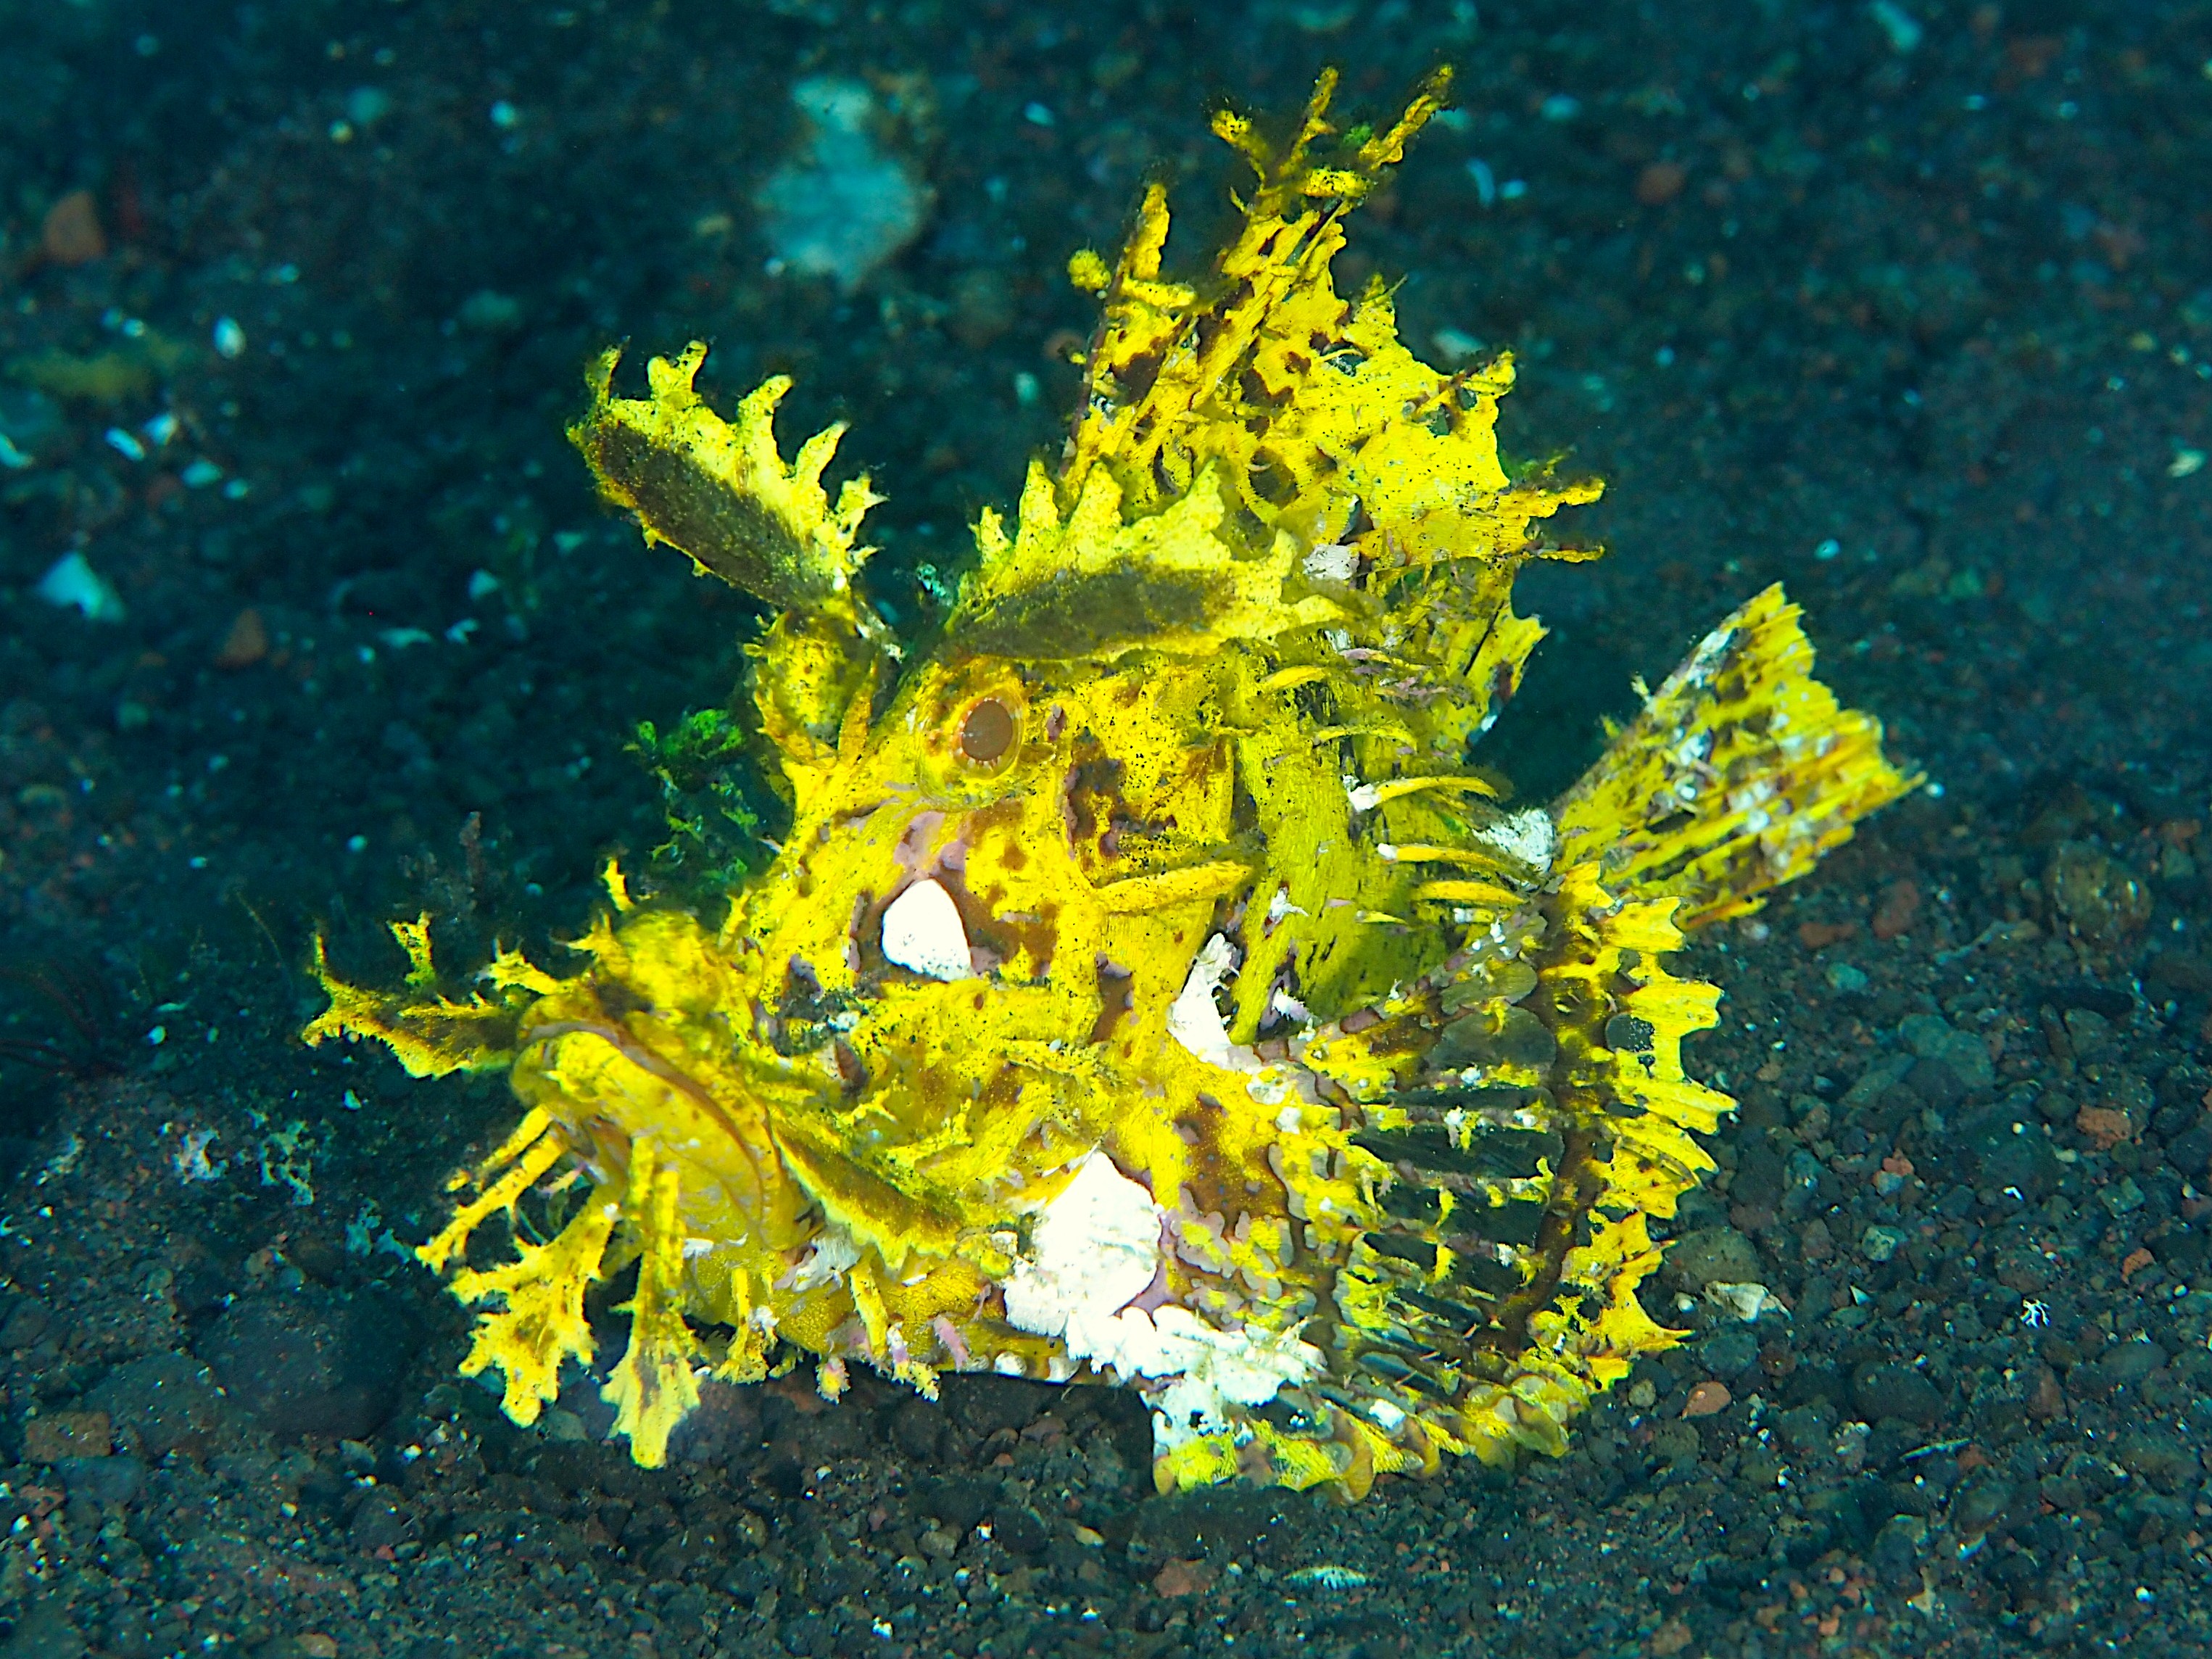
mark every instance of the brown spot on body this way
{"type": "Point", "coordinates": [1138, 374]}
{"type": "Point", "coordinates": [616, 998]}
{"type": "Point", "coordinates": [852, 1070]}
{"type": "Point", "coordinates": [1094, 792]}
{"type": "Point", "coordinates": [1115, 999]}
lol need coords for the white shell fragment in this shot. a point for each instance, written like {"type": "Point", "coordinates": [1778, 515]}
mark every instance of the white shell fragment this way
{"type": "Point", "coordinates": [1746, 1301]}
{"type": "Point", "coordinates": [922, 933]}
{"type": "Point", "coordinates": [1095, 1249]}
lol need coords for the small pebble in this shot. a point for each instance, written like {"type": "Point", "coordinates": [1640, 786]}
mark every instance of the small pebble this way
{"type": "Point", "coordinates": [1183, 1578]}
{"type": "Point", "coordinates": [2122, 1197]}
{"type": "Point", "coordinates": [70, 234]}
{"type": "Point", "coordinates": [1707, 1399]}
{"type": "Point", "coordinates": [1660, 183]}
{"type": "Point", "coordinates": [1879, 1243]}
{"type": "Point", "coordinates": [245, 644]}
{"type": "Point", "coordinates": [1712, 1255]}
{"type": "Point", "coordinates": [1729, 1351]}
{"type": "Point", "coordinates": [2103, 1128]}
{"type": "Point", "coordinates": [1896, 1391]}
{"type": "Point", "coordinates": [2099, 898]}
{"type": "Point", "coordinates": [1899, 907]}
{"type": "Point", "coordinates": [71, 582]}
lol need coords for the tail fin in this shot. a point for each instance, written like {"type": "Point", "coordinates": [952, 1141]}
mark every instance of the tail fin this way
{"type": "Point", "coordinates": [1740, 772]}
{"type": "Point", "coordinates": [1526, 1101]}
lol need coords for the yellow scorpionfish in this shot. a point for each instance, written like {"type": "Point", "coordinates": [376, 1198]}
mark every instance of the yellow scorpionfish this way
{"type": "Point", "coordinates": [1148, 988]}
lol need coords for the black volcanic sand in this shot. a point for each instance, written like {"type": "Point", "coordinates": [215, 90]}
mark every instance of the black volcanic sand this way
{"type": "Point", "coordinates": [1928, 333]}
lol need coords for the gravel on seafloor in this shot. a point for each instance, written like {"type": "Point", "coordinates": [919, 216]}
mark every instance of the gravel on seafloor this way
{"type": "Point", "coordinates": [314, 622]}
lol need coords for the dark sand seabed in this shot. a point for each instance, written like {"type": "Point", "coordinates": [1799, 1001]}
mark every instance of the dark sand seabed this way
{"type": "Point", "coordinates": [1925, 332]}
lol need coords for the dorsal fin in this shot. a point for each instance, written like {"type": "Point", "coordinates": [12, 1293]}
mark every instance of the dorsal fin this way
{"type": "Point", "coordinates": [1089, 582]}
{"type": "Point", "coordinates": [1319, 426]}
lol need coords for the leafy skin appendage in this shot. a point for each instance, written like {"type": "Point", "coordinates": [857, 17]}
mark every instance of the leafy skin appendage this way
{"type": "Point", "coordinates": [1148, 986]}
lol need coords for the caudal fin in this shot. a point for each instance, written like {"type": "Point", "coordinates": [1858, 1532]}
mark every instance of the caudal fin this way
{"type": "Point", "coordinates": [1740, 772]}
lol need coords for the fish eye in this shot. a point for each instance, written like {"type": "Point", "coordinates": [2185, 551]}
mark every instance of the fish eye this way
{"type": "Point", "coordinates": [987, 732]}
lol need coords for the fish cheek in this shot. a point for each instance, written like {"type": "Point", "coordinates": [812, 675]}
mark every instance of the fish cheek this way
{"type": "Point", "coordinates": [1007, 915]}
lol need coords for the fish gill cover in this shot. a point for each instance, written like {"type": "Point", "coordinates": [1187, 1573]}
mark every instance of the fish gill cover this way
{"type": "Point", "coordinates": [1147, 988]}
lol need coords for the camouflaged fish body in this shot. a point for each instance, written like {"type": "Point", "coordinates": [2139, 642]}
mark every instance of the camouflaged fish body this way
{"type": "Point", "coordinates": [1147, 988]}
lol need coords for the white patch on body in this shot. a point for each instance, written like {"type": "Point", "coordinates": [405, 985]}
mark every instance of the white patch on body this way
{"type": "Point", "coordinates": [1211, 1369]}
{"type": "Point", "coordinates": [1195, 1023]}
{"type": "Point", "coordinates": [1529, 836]}
{"type": "Point", "coordinates": [1094, 1250]}
{"type": "Point", "coordinates": [834, 1251]}
{"type": "Point", "coordinates": [922, 933]}
{"type": "Point", "coordinates": [1332, 561]}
